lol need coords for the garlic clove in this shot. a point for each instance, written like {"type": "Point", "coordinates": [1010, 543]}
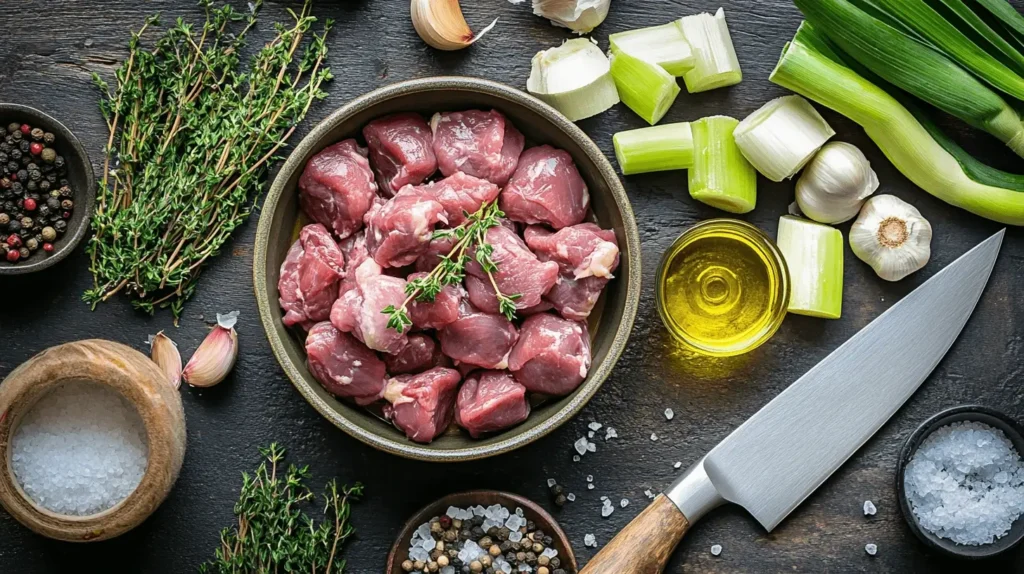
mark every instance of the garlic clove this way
{"type": "Point", "coordinates": [892, 237]}
{"type": "Point", "coordinates": [216, 355]}
{"type": "Point", "coordinates": [164, 353]}
{"type": "Point", "coordinates": [580, 16]}
{"type": "Point", "coordinates": [441, 24]}
{"type": "Point", "coordinates": [835, 183]}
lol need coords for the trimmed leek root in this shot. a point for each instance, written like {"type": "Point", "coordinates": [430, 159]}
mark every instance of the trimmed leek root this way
{"type": "Point", "coordinates": [814, 256]}
{"type": "Point", "coordinates": [664, 45]}
{"type": "Point", "coordinates": [714, 59]}
{"type": "Point", "coordinates": [574, 78]}
{"type": "Point", "coordinates": [646, 88]}
{"type": "Point", "coordinates": [782, 136]}
{"type": "Point", "coordinates": [721, 177]}
{"type": "Point", "coordinates": [657, 148]}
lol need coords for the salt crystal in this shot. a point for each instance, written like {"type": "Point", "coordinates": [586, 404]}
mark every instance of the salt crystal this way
{"type": "Point", "coordinates": [453, 512]}
{"type": "Point", "coordinates": [581, 445]}
{"type": "Point", "coordinates": [591, 447]}
{"type": "Point", "coordinates": [624, 502]}
{"type": "Point", "coordinates": [669, 414]}
{"type": "Point", "coordinates": [575, 458]}
{"type": "Point", "coordinates": [871, 549]}
{"type": "Point", "coordinates": [590, 478]}
{"type": "Point", "coordinates": [551, 482]}
{"type": "Point", "coordinates": [716, 549]}
{"type": "Point", "coordinates": [590, 434]}
{"type": "Point", "coordinates": [595, 426]}
{"type": "Point", "coordinates": [429, 544]}
{"type": "Point", "coordinates": [610, 434]}
{"type": "Point", "coordinates": [524, 567]}
{"type": "Point", "coordinates": [589, 540]}
{"type": "Point", "coordinates": [677, 465]}
{"type": "Point", "coordinates": [519, 511]}
{"type": "Point", "coordinates": [590, 486]}
{"type": "Point", "coordinates": [549, 552]}
{"type": "Point", "coordinates": [654, 436]}
{"type": "Point", "coordinates": [419, 554]}
{"type": "Point", "coordinates": [604, 498]}
{"type": "Point", "coordinates": [478, 510]}
{"type": "Point", "coordinates": [869, 508]}
{"type": "Point", "coordinates": [607, 509]}
{"type": "Point", "coordinates": [649, 493]}
{"type": "Point", "coordinates": [448, 569]}
{"type": "Point", "coordinates": [515, 536]}
{"type": "Point", "coordinates": [570, 497]}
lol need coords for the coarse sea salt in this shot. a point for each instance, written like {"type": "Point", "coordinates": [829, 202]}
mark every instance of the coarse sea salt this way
{"type": "Point", "coordinates": [669, 414]}
{"type": "Point", "coordinates": [871, 549]}
{"type": "Point", "coordinates": [590, 540]}
{"type": "Point", "coordinates": [80, 450]}
{"type": "Point", "coordinates": [610, 433]}
{"type": "Point", "coordinates": [966, 483]}
{"type": "Point", "coordinates": [869, 508]}
{"type": "Point", "coordinates": [716, 549]}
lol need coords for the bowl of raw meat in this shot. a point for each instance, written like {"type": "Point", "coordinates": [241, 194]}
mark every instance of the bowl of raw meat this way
{"type": "Point", "coordinates": [447, 268]}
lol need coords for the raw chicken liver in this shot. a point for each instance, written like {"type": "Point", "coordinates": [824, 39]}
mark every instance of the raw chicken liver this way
{"type": "Point", "coordinates": [422, 405]}
{"type": "Point", "coordinates": [337, 188]}
{"type": "Point", "coordinates": [552, 355]}
{"type": "Point", "coordinates": [343, 365]}
{"type": "Point", "coordinates": [401, 150]}
{"type": "Point", "coordinates": [460, 193]}
{"type": "Point", "coordinates": [478, 338]}
{"type": "Point", "coordinates": [586, 255]}
{"type": "Point", "coordinates": [358, 310]}
{"type": "Point", "coordinates": [399, 231]}
{"type": "Point", "coordinates": [422, 353]}
{"type": "Point", "coordinates": [442, 311]}
{"type": "Point", "coordinates": [477, 143]}
{"type": "Point", "coordinates": [309, 277]}
{"type": "Point", "coordinates": [546, 188]}
{"type": "Point", "coordinates": [490, 401]}
{"type": "Point", "coordinates": [519, 273]}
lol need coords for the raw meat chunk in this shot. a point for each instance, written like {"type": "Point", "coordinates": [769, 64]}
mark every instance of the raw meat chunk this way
{"type": "Point", "coordinates": [478, 338]}
{"type": "Point", "coordinates": [477, 143]}
{"type": "Point", "coordinates": [354, 248]}
{"type": "Point", "coordinates": [422, 405]}
{"type": "Point", "coordinates": [460, 193]}
{"type": "Point", "coordinates": [337, 188]}
{"type": "Point", "coordinates": [309, 277]}
{"type": "Point", "coordinates": [436, 249]}
{"type": "Point", "coordinates": [343, 365]}
{"type": "Point", "coordinates": [399, 231]}
{"type": "Point", "coordinates": [519, 272]}
{"type": "Point", "coordinates": [422, 353]}
{"type": "Point", "coordinates": [443, 311]}
{"type": "Point", "coordinates": [552, 355]}
{"type": "Point", "coordinates": [490, 401]}
{"type": "Point", "coordinates": [586, 255]}
{"type": "Point", "coordinates": [546, 188]}
{"type": "Point", "coordinates": [401, 151]}
{"type": "Point", "coordinates": [574, 299]}
{"type": "Point", "coordinates": [358, 310]}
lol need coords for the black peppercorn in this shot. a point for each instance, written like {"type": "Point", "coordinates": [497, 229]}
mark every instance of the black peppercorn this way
{"type": "Point", "coordinates": [60, 226]}
{"type": "Point", "coordinates": [12, 166]}
{"type": "Point", "coordinates": [24, 252]}
{"type": "Point", "coordinates": [22, 175]}
{"type": "Point", "coordinates": [14, 226]}
{"type": "Point", "coordinates": [53, 203]}
{"type": "Point", "coordinates": [24, 145]}
{"type": "Point", "coordinates": [37, 134]}
{"type": "Point", "coordinates": [44, 185]}
{"type": "Point", "coordinates": [49, 138]}
{"type": "Point", "coordinates": [52, 178]}
{"type": "Point", "coordinates": [58, 162]}
{"type": "Point", "coordinates": [32, 186]}
{"type": "Point", "coordinates": [16, 136]}
{"type": "Point", "coordinates": [15, 156]}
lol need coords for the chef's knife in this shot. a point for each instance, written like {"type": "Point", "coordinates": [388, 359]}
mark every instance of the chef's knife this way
{"type": "Point", "coordinates": [776, 459]}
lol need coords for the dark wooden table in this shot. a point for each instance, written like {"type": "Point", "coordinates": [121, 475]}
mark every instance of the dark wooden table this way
{"type": "Point", "coordinates": [49, 49]}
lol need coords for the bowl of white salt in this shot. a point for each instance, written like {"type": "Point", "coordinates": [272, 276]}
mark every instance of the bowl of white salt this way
{"type": "Point", "coordinates": [960, 482]}
{"type": "Point", "coordinates": [93, 438]}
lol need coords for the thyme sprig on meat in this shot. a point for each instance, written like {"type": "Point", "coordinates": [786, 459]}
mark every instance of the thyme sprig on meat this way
{"type": "Point", "coordinates": [192, 134]}
{"type": "Point", "coordinates": [451, 270]}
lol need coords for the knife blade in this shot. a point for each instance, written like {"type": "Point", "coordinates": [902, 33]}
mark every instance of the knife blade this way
{"type": "Point", "coordinates": [779, 456]}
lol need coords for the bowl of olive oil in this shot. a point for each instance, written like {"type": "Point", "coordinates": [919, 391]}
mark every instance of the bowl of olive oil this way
{"type": "Point", "coordinates": [723, 288]}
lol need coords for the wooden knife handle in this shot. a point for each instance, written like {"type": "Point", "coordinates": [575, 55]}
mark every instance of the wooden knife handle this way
{"type": "Point", "coordinates": [644, 545]}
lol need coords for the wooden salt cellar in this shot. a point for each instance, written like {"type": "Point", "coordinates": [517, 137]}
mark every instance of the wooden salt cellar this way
{"type": "Point", "coordinates": [143, 385]}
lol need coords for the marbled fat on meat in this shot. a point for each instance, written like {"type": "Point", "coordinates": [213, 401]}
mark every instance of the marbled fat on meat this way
{"type": "Point", "coordinates": [358, 310]}
{"type": "Point", "coordinates": [422, 405]}
{"type": "Point", "coordinates": [399, 231]}
{"type": "Point", "coordinates": [309, 277]}
{"type": "Point", "coordinates": [490, 401]}
{"type": "Point", "coordinates": [343, 365]}
{"type": "Point", "coordinates": [337, 188]}
{"type": "Point", "coordinates": [587, 257]}
{"type": "Point", "coordinates": [478, 338]}
{"type": "Point", "coordinates": [546, 188]}
{"type": "Point", "coordinates": [477, 143]}
{"type": "Point", "coordinates": [552, 356]}
{"type": "Point", "coordinates": [401, 150]}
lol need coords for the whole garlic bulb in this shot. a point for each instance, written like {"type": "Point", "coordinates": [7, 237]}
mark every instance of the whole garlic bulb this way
{"type": "Point", "coordinates": [892, 237]}
{"type": "Point", "coordinates": [835, 183]}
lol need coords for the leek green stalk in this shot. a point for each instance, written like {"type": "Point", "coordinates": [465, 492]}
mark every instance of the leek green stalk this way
{"type": "Point", "coordinates": [664, 45]}
{"type": "Point", "coordinates": [814, 256]}
{"type": "Point", "coordinates": [916, 68]}
{"type": "Point", "coordinates": [908, 144]}
{"type": "Point", "coordinates": [657, 148]}
{"type": "Point", "coordinates": [646, 88]}
{"type": "Point", "coordinates": [721, 177]}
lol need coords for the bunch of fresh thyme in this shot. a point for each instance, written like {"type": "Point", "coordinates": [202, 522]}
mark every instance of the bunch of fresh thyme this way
{"type": "Point", "coordinates": [273, 532]}
{"type": "Point", "coordinates": [451, 270]}
{"type": "Point", "coordinates": [191, 139]}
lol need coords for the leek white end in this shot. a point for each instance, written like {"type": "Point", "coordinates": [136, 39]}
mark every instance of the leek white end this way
{"type": "Point", "coordinates": [721, 177]}
{"type": "Point", "coordinates": [782, 136]}
{"type": "Point", "coordinates": [664, 45]}
{"type": "Point", "coordinates": [574, 78]}
{"type": "Point", "coordinates": [814, 256]}
{"type": "Point", "coordinates": [657, 148]}
{"type": "Point", "coordinates": [646, 88]}
{"type": "Point", "coordinates": [714, 59]}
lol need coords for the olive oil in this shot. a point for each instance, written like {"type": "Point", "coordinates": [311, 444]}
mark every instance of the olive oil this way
{"type": "Point", "coordinates": [722, 288]}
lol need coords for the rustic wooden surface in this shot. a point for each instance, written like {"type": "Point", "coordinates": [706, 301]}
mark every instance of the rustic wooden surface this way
{"type": "Point", "coordinates": [48, 50]}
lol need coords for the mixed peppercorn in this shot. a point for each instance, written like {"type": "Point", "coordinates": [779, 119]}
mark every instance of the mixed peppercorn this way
{"type": "Point", "coordinates": [36, 200]}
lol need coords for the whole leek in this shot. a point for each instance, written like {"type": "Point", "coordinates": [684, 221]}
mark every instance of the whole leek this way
{"type": "Point", "coordinates": [907, 143]}
{"type": "Point", "coordinates": [646, 88]}
{"type": "Point", "coordinates": [916, 68]}
{"type": "Point", "coordinates": [657, 148]}
{"type": "Point", "coordinates": [721, 177]}
{"type": "Point", "coordinates": [814, 257]}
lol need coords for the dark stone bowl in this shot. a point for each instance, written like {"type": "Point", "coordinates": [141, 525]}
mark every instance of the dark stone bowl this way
{"type": "Point", "coordinates": [1013, 431]}
{"type": "Point", "coordinates": [80, 177]}
{"type": "Point", "coordinates": [610, 323]}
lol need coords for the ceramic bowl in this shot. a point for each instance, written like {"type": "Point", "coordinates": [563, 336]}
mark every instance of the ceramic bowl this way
{"type": "Point", "coordinates": [610, 324]}
{"type": "Point", "coordinates": [80, 177]}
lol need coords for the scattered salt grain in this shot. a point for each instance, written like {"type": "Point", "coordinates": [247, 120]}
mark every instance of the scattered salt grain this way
{"type": "Point", "coordinates": [551, 482]}
{"type": "Point", "coordinates": [716, 549]}
{"type": "Point", "coordinates": [607, 509]}
{"type": "Point", "coordinates": [595, 426]}
{"type": "Point", "coordinates": [589, 540]}
{"type": "Point", "coordinates": [654, 436]}
{"type": "Point", "coordinates": [871, 549]}
{"type": "Point", "coordinates": [869, 508]}
{"type": "Point", "coordinates": [570, 497]}
{"type": "Point", "coordinates": [575, 458]}
{"type": "Point", "coordinates": [80, 450]}
{"type": "Point", "coordinates": [590, 434]}
{"type": "Point", "coordinates": [624, 502]}
{"type": "Point", "coordinates": [549, 552]}
{"type": "Point", "coordinates": [515, 536]}
{"type": "Point", "coordinates": [677, 465]}
{"type": "Point", "coordinates": [581, 445]}
{"type": "Point", "coordinates": [590, 486]}
{"type": "Point", "coordinates": [669, 414]}
{"type": "Point", "coordinates": [649, 493]}
{"type": "Point", "coordinates": [591, 447]}
{"type": "Point", "coordinates": [610, 434]}
{"type": "Point", "coordinates": [966, 483]}
{"type": "Point", "coordinates": [590, 478]}
{"type": "Point", "coordinates": [603, 498]}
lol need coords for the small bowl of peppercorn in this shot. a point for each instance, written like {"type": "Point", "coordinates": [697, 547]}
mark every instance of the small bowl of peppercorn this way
{"type": "Point", "coordinates": [47, 189]}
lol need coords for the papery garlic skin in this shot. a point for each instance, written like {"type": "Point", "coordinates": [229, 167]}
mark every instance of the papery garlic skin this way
{"type": "Point", "coordinates": [164, 352]}
{"type": "Point", "coordinates": [216, 355]}
{"type": "Point", "coordinates": [892, 237]}
{"type": "Point", "coordinates": [580, 16]}
{"type": "Point", "coordinates": [835, 183]}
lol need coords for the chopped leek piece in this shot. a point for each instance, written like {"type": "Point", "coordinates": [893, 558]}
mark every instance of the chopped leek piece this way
{"type": "Point", "coordinates": [657, 148]}
{"type": "Point", "coordinates": [721, 177]}
{"type": "Point", "coordinates": [916, 68]}
{"type": "Point", "coordinates": [782, 136]}
{"type": "Point", "coordinates": [714, 58]}
{"type": "Point", "coordinates": [646, 88]}
{"type": "Point", "coordinates": [663, 45]}
{"type": "Point", "coordinates": [814, 256]}
{"type": "Point", "coordinates": [574, 78]}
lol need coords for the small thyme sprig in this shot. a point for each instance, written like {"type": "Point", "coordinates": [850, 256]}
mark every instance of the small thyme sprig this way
{"type": "Point", "coordinates": [451, 270]}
